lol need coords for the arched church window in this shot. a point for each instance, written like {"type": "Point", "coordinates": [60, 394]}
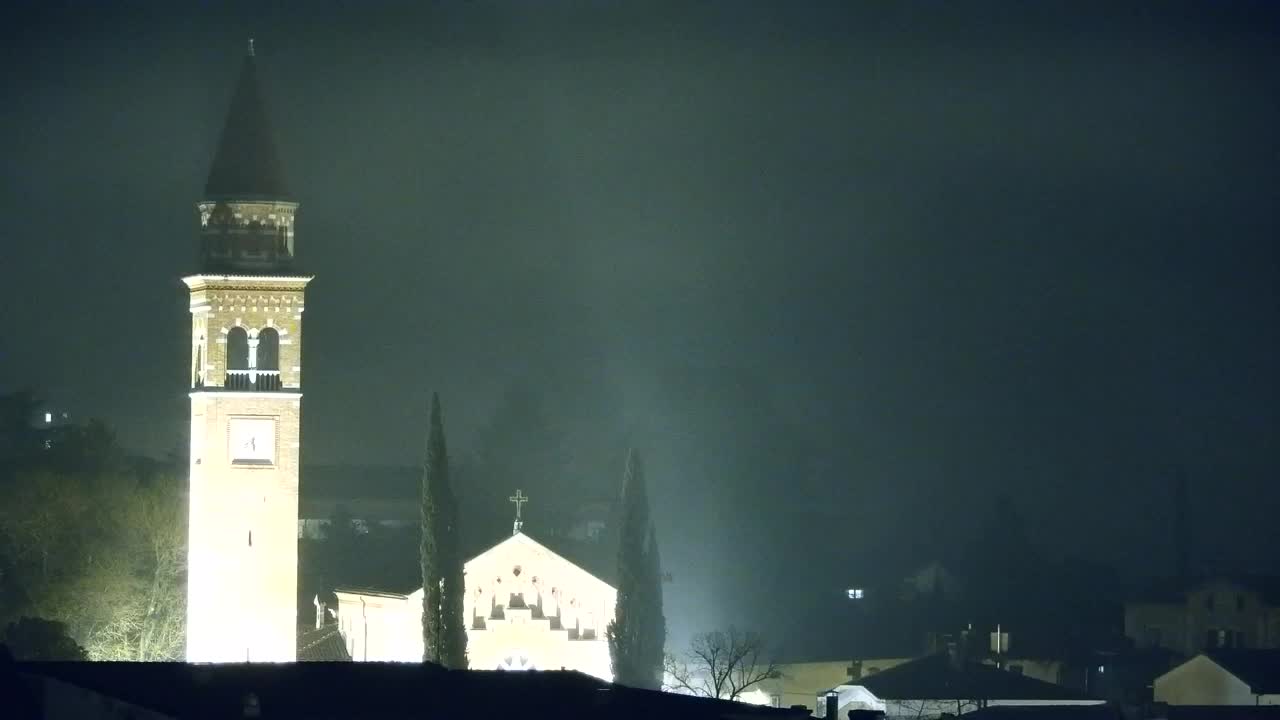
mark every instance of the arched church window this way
{"type": "Point", "coordinates": [237, 349]}
{"type": "Point", "coordinates": [268, 349]}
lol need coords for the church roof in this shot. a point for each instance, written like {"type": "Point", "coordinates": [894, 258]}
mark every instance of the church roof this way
{"type": "Point", "coordinates": [938, 677]}
{"type": "Point", "coordinates": [246, 165]}
{"type": "Point", "coordinates": [322, 644]}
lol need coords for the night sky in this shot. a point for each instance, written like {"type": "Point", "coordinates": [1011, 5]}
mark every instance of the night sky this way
{"type": "Point", "coordinates": [843, 272]}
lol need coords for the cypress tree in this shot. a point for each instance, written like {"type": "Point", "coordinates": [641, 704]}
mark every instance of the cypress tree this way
{"type": "Point", "coordinates": [655, 627]}
{"type": "Point", "coordinates": [453, 631]}
{"type": "Point", "coordinates": [434, 488]}
{"type": "Point", "coordinates": [638, 630]}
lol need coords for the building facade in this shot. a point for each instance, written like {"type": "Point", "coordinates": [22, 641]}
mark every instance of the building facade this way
{"type": "Point", "coordinates": [527, 608]}
{"type": "Point", "coordinates": [246, 306]}
{"type": "Point", "coordinates": [1221, 612]}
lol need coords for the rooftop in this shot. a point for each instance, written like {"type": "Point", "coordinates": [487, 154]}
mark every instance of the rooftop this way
{"type": "Point", "coordinates": [1174, 590]}
{"type": "Point", "coordinates": [375, 690]}
{"type": "Point", "coordinates": [1046, 712]}
{"type": "Point", "coordinates": [1259, 669]}
{"type": "Point", "coordinates": [937, 677]}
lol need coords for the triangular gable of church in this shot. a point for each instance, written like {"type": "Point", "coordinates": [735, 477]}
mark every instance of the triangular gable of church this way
{"type": "Point", "coordinates": [535, 548]}
{"type": "Point", "coordinates": [520, 548]}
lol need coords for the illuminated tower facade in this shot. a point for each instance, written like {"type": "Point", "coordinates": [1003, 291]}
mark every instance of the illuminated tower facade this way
{"type": "Point", "coordinates": [246, 399]}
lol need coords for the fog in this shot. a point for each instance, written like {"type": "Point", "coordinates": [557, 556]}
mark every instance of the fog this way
{"type": "Point", "coordinates": [842, 274]}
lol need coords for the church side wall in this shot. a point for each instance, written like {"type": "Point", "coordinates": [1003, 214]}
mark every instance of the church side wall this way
{"type": "Point", "coordinates": [379, 628]}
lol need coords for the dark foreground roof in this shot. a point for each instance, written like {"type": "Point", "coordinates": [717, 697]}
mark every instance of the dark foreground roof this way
{"type": "Point", "coordinates": [1259, 669]}
{"type": "Point", "coordinates": [1046, 712]}
{"type": "Point", "coordinates": [1220, 712]}
{"type": "Point", "coordinates": [344, 690]}
{"type": "Point", "coordinates": [937, 677]}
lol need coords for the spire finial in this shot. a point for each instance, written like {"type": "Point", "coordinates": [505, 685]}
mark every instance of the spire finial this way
{"type": "Point", "coordinates": [250, 47]}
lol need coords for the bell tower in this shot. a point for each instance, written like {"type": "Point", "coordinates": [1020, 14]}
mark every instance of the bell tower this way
{"type": "Point", "coordinates": [246, 399]}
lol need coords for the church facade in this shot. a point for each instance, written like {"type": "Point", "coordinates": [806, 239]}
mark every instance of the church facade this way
{"type": "Point", "coordinates": [246, 304]}
{"type": "Point", "coordinates": [526, 607]}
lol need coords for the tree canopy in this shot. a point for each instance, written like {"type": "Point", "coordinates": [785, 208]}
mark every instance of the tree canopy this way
{"type": "Point", "coordinates": [96, 543]}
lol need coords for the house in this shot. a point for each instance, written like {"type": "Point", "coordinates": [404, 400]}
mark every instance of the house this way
{"type": "Point", "coordinates": [1212, 612]}
{"type": "Point", "coordinates": [943, 683]}
{"type": "Point", "coordinates": [1125, 676]}
{"type": "Point", "coordinates": [1223, 677]}
{"type": "Point", "coordinates": [797, 683]}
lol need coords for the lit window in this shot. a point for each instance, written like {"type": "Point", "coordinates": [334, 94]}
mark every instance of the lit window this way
{"type": "Point", "coordinates": [48, 418]}
{"type": "Point", "coordinates": [854, 593]}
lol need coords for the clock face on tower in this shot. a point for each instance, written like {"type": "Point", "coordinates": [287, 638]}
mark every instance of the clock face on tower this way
{"type": "Point", "coordinates": [253, 440]}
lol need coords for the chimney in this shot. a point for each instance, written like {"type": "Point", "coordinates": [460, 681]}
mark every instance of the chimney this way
{"type": "Point", "coordinates": [833, 705]}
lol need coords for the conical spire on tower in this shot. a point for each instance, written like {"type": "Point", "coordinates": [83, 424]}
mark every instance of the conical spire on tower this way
{"type": "Point", "coordinates": [246, 165]}
{"type": "Point", "coordinates": [246, 217]}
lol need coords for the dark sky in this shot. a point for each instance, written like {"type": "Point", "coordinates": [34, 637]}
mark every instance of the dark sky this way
{"type": "Point", "coordinates": [843, 271]}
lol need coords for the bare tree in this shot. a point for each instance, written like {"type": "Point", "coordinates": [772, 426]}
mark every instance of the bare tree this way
{"type": "Point", "coordinates": [721, 664]}
{"type": "Point", "coordinates": [925, 709]}
{"type": "Point", "coordinates": [103, 553]}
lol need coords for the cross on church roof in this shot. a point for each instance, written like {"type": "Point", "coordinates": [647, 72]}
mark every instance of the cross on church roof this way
{"type": "Point", "coordinates": [519, 499]}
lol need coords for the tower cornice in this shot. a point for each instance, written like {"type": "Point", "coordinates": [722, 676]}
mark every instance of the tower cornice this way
{"type": "Point", "coordinates": [206, 281]}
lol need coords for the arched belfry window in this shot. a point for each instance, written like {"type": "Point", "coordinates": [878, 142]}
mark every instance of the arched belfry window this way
{"type": "Point", "coordinates": [268, 349]}
{"type": "Point", "coordinates": [237, 349]}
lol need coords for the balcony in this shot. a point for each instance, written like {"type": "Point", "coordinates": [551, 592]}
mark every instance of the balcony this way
{"type": "Point", "coordinates": [253, 380]}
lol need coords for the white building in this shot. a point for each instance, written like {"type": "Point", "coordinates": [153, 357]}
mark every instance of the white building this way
{"type": "Point", "coordinates": [1223, 677]}
{"type": "Point", "coordinates": [527, 609]}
